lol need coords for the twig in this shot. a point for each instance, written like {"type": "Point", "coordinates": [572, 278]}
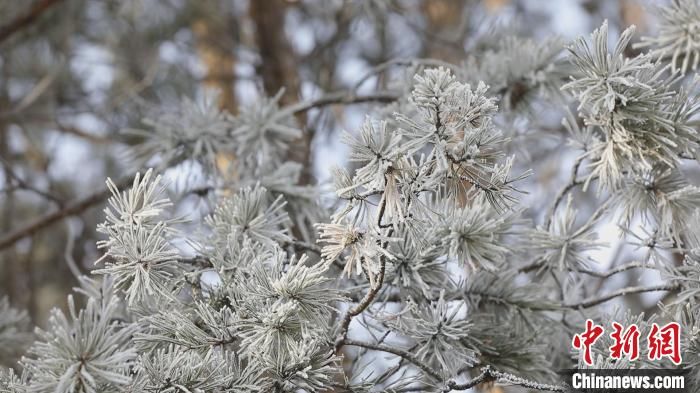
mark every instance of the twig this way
{"type": "Point", "coordinates": [605, 274]}
{"type": "Point", "coordinates": [363, 304]}
{"type": "Point", "coordinates": [619, 269]}
{"type": "Point", "coordinates": [534, 265]}
{"type": "Point", "coordinates": [594, 301]}
{"type": "Point", "coordinates": [400, 62]}
{"type": "Point", "coordinates": [565, 190]}
{"type": "Point", "coordinates": [68, 253]}
{"type": "Point", "coordinates": [38, 90]}
{"type": "Point", "coordinates": [25, 20]}
{"type": "Point", "coordinates": [98, 139]}
{"type": "Point", "coordinates": [71, 209]}
{"type": "Point", "coordinates": [487, 373]}
{"type": "Point", "coordinates": [516, 380]}
{"type": "Point", "coordinates": [485, 376]}
{"type": "Point", "coordinates": [198, 261]}
{"type": "Point", "coordinates": [396, 351]}
{"type": "Point", "coordinates": [371, 294]}
{"type": "Point", "coordinates": [339, 98]}
{"type": "Point", "coordinates": [303, 246]}
{"type": "Point", "coordinates": [23, 185]}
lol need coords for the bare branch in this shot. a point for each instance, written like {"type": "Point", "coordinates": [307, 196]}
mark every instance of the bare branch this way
{"type": "Point", "coordinates": [27, 19]}
{"type": "Point", "coordinates": [487, 373]}
{"type": "Point", "coordinates": [363, 304]}
{"type": "Point", "coordinates": [573, 182]}
{"type": "Point", "coordinates": [21, 184]}
{"type": "Point", "coordinates": [340, 98]}
{"type": "Point", "coordinates": [400, 62]}
{"type": "Point", "coordinates": [396, 351]}
{"type": "Point", "coordinates": [98, 139]}
{"type": "Point", "coordinates": [619, 269]}
{"type": "Point", "coordinates": [303, 246]}
{"type": "Point", "coordinates": [604, 274]}
{"type": "Point", "coordinates": [371, 294]}
{"type": "Point", "coordinates": [71, 209]}
{"type": "Point", "coordinates": [594, 301]}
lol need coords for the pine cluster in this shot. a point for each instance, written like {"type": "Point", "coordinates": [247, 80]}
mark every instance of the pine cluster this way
{"type": "Point", "coordinates": [424, 252]}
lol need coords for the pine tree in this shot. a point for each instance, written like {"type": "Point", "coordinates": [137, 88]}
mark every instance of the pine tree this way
{"type": "Point", "coordinates": [422, 269]}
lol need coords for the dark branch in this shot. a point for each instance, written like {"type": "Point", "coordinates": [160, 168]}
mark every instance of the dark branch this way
{"type": "Point", "coordinates": [594, 301]}
{"type": "Point", "coordinates": [71, 209]}
{"type": "Point", "coordinates": [27, 19]}
{"type": "Point", "coordinates": [565, 190]}
{"type": "Point", "coordinates": [619, 269]}
{"type": "Point", "coordinates": [396, 351]}
{"type": "Point", "coordinates": [303, 246]}
{"type": "Point", "coordinates": [341, 98]}
{"type": "Point", "coordinates": [538, 263]}
{"type": "Point", "coordinates": [371, 294]}
{"type": "Point", "coordinates": [487, 373]}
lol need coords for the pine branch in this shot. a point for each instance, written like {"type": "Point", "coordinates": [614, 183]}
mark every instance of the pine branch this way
{"type": "Point", "coordinates": [594, 301]}
{"type": "Point", "coordinates": [364, 303]}
{"type": "Point", "coordinates": [371, 294]}
{"type": "Point", "coordinates": [487, 373]}
{"type": "Point", "coordinates": [77, 207]}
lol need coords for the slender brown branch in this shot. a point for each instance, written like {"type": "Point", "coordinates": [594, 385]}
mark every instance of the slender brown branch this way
{"type": "Point", "coordinates": [401, 62]}
{"type": "Point", "coordinates": [340, 98]}
{"type": "Point", "coordinates": [198, 261]}
{"type": "Point", "coordinates": [490, 374]}
{"type": "Point", "coordinates": [534, 265]}
{"type": "Point", "coordinates": [26, 19]}
{"type": "Point", "coordinates": [619, 269]}
{"type": "Point", "coordinates": [604, 274]}
{"type": "Point", "coordinates": [594, 301]}
{"type": "Point", "coordinates": [485, 376]}
{"type": "Point", "coordinates": [303, 246]}
{"type": "Point", "coordinates": [21, 184]}
{"type": "Point", "coordinates": [371, 294]}
{"type": "Point", "coordinates": [363, 304]}
{"type": "Point", "coordinates": [71, 209]}
{"type": "Point", "coordinates": [573, 182]}
{"type": "Point", "coordinates": [396, 351]}
{"type": "Point", "coordinates": [98, 139]}
{"type": "Point", "coordinates": [487, 373]}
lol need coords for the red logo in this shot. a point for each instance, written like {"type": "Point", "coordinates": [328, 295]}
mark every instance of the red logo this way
{"type": "Point", "coordinates": [662, 342]}
{"type": "Point", "coordinates": [665, 342]}
{"type": "Point", "coordinates": [626, 342]}
{"type": "Point", "coordinates": [586, 339]}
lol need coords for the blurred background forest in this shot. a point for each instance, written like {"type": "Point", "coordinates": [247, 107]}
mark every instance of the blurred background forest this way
{"type": "Point", "coordinates": [75, 73]}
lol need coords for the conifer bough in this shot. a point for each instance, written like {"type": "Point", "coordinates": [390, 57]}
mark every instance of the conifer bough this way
{"type": "Point", "coordinates": [428, 273]}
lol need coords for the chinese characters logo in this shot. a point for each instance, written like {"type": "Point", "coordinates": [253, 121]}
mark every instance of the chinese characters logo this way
{"type": "Point", "coordinates": [662, 341]}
